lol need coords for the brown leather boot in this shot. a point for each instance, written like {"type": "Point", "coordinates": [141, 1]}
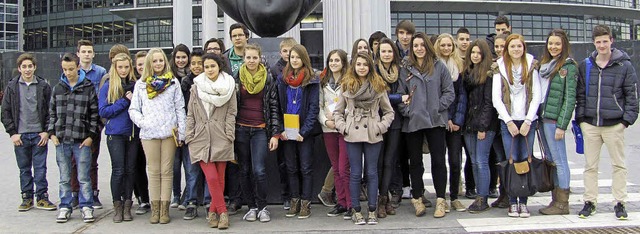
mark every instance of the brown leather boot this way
{"type": "Point", "coordinates": [389, 208]}
{"type": "Point", "coordinates": [382, 202]}
{"type": "Point", "coordinates": [561, 206]}
{"type": "Point", "coordinates": [155, 212]}
{"type": "Point", "coordinates": [164, 212]}
{"type": "Point", "coordinates": [117, 208]}
{"type": "Point", "coordinates": [503, 199]}
{"type": "Point", "coordinates": [126, 212]}
{"type": "Point", "coordinates": [223, 223]}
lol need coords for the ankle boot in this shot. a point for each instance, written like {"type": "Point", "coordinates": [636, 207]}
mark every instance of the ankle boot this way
{"type": "Point", "coordinates": [213, 220]}
{"type": "Point", "coordinates": [155, 212]}
{"type": "Point", "coordinates": [223, 223]}
{"type": "Point", "coordinates": [126, 212]}
{"type": "Point", "coordinates": [117, 208]}
{"type": "Point", "coordinates": [418, 206]}
{"type": "Point", "coordinates": [561, 206]}
{"type": "Point", "coordinates": [164, 212]}
{"type": "Point", "coordinates": [382, 202]}
{"type": "Point", "coordinates": [388, 207]}
{"type": "Point", "coordinates": [503, 199]}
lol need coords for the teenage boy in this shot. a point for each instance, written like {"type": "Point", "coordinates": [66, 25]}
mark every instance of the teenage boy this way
{"type": "Point", "coordinates": [94, 74]}
{"type": "Point", "coordinates": [234, 56]}
{"type": "Point", "coordinates": [501, 26]}
{"type": "Point", "coordinates": [276, 72]}
{"type": "Point", "coordinates": [607, 103]}
{"type": "Point", "coordinates": [25, 116]}
{"type": "Point", "coordinates": [404, 32]}
{"type": "Point", "coordinates": [73, 124]}
{"type": "Point", "coordinates": [463, 40]}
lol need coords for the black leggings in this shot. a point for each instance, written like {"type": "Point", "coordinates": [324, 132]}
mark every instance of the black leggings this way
{"type": "Point", "coordinates": [437, 146]}
{"type": "Point", "coordinates": [388, 160]}
{"type": "Point", "coordinates": [454, 149]}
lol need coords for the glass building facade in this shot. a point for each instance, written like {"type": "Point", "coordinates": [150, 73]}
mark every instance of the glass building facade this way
{"type": "Point", "coordinates": [9, 25]}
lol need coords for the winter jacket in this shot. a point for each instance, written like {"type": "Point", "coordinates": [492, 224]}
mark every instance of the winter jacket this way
{"type": "Point", "coordinates": [491, 40]}
{"type": "Point", "coordinates": [185, 85]}
{"type": "Point", "coordinates": [459, 105]}
{"type": "Point", "coordinates": [328, 96]}
{"type": "Point", "coordinates": [82, 122]}
{"type": "Point", "coordinates": [117, 113]}
{"type": "Point", "coordinates": [613, 92]}
{"type": "Point", "coordinates": [480, 116]}
{"type": "Point", "coordinates": [432, 96]}
{"type": "Point", "coordinates": [228, 65]}
{"type": "Point", "coordinates": [395, 98]}
{"type": "Point", "coordinates": [506, 102]}
{"type": "Point", "coordinates": [561, 95]}
{"type": "Point", "coordinates": [276, 68]}
{"type": "Point", "coordinates": [158, 117]}
{"type": "Point", "coordinates": [11, 104]}
{"type": "Point", "coordinates": [363, 124]}
{"type": "Point", "coordinates": [211, 139]}
{"type": "Point", "coordinates": [309, 109]}
{"type": "Point", "coordinates": [270, 107]}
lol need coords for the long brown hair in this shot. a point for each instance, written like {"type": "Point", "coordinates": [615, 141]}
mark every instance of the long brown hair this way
{"type": "Point", "coordinates": [523, 60]}
{"type": "Point", "coordinates": [564, 54]}
{"type": "Point", "coordinates": [351, 82]}
{"type": "Point", "coordinates": [479, 71]}
{"type": "Point", "coordinates": [429, 58]}
{"type": "Point", "coordinates": [394, 48]}
{"type": "Point", "coordinates": [327, 73]}
{"type": "Point", "coordinates": [306, 64]}
{"type": "Point", "coordinates": [116, 91]}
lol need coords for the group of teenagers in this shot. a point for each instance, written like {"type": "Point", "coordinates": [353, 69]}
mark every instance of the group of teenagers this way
{"type": "Point", "coordinates": [221, 115]}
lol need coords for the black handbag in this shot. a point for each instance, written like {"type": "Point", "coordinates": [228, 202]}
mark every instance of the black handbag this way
{"type": "Point", "coordinates": [544, 169]}
{"type": "Point", "coordinates": [519, 180]}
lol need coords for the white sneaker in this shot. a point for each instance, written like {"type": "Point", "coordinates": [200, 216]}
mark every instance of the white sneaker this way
{"type": "Point", "coordinates": [264, 215]}
{"type": "Point", "coordinates": [251, 215]}
{"type": "Point", "coordinates": [406, 192]}
{"type": "Point", "coordinates": [64, 215]}
{"type": "Point", "coordinates": [87, 215]}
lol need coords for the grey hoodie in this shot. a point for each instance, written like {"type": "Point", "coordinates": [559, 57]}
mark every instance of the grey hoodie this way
{"type": "Point", "coordinates": [431, 98]}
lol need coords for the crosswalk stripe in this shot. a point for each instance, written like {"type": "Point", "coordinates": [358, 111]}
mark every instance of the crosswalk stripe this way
{"type": "Point", "coordinates": [601, 183]}
{"type": "Point", "coordinates": [537, 222]}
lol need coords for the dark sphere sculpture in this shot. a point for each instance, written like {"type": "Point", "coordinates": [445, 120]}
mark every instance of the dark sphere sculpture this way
{"type": "Point", "coordinates": [268, 18]}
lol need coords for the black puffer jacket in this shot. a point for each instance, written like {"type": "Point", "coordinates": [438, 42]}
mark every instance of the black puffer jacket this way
{"type": "Point", "coordinates": [270, 107]}
{"type": "Point", "coordinates": [185, 85]}
{"type": "Point", "coordinates": [613, 92]}
{"type": "Point", "coordinates": [11, 104]}
{"type": "Point", "coordinates": [480, 115]}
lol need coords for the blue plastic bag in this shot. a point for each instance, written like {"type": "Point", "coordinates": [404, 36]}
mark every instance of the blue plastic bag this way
{"type": "Point", "coordinates": [577, 133]}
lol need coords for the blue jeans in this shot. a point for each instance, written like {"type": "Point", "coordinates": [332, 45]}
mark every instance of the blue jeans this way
{"type": "Point", "coordinates": [521, 147]}
{"type": "Point", "coordinates": [299, 160]}
{"type": "Point", "coordinates": [182, 159]}
{"type": "Point", "coordinates": [28, 155]}
{"type": "Point", "coordinates": [251, 147]}
{"type": "Point", "coordinates": [371, 154]}
{"type": "Point", "coordinates": [123, 151]}
{"type": "Point", "coordinates": [83, 159]}
{"type": "Point", "coordinates": [479, 151]}
{"type": "Point", "coordinates": [556, 151]}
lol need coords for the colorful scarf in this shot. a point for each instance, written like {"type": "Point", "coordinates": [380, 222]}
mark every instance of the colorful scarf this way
{"type": "Point", "coordinates": [253, 83]}
{"type": "Point", "coordinates": [158, 84]}
{"type": "Point", "coordinates": [295, 81]}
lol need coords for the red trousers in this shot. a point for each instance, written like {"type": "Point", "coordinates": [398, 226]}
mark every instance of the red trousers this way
{"type": "Point", "coordinates": [214, 175]}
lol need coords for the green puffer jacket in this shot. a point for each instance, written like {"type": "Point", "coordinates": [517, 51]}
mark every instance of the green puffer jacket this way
{"type": "Point", "coordinates": [561, 95]}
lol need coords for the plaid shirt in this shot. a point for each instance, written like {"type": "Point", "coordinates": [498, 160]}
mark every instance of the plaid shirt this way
{"type": "Point", "coordinates": [74, 113]}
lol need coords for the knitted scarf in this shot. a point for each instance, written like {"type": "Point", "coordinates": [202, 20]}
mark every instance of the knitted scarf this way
{"type": "Point", "coordinates": [390, 76]}
{"type": "Point", "coordinates": [216, 93]}
{"type": "Point", "coordinates": [158, 84]}
{"type": "Point", "coordinates": [253, 83]}
{"type": "Point", "coordinates": [294, 81]}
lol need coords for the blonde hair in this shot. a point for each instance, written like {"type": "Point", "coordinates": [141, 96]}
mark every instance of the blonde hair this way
{"type": "Point", "coordinates": [454, 54]}
{"type": "Point", "coordinates": [148, 61]}
{"type": "Point", "coordinates": [352, 83]}
{"type": "Point", "coordinates": [116, 91]}
{"type": "Point", "coordinates": [288, 42]}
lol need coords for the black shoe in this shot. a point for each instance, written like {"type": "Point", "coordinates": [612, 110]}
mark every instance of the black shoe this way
{"type": "Point", "coordinates": [621, 212]}
{"type": "Point", "coordinates": [96, 200]}
{"type": "Point", "coordinates": [590, 209]}
{"type": "Point", "coordinates": [233, 208]}
{"type": "Point", "coordinates": [426, 201]}
{"type": "Point", "coordinates": [336, 211]}
{"type": "Point", "coordinates": [395, 200]}
{"type": "Point", "coordinates": [347, 215]}
{"type": "Point", "coordinates": [286, 204]}
{"type": "Point", "coordinates": [471, 194]}
{"type": "Point", "coordinates": [493, 193]}
{"type": "Point", "coordinates": [192, 211]}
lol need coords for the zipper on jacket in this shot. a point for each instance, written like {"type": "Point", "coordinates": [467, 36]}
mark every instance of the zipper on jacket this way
{"type": "Point", "coordinates": [599, 94]}
{"type": "Point", "coordinates": [615, 99]}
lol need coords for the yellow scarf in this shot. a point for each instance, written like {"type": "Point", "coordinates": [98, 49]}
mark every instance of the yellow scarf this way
{"type": "Point", "coordinates": [253, 83]}
{"type": "Point", "coordinates": [158, 84]}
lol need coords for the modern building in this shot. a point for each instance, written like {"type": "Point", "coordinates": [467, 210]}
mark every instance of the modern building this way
{"type": "Point", "coordinates": [10, 36]}
{"type": "Point", "coordinates": [55, 25]}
